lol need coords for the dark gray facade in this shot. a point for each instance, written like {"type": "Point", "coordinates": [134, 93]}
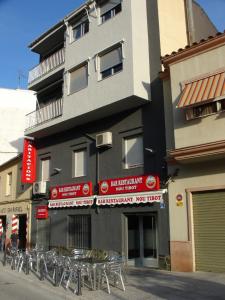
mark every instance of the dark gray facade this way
{"type": "Point", "coordinates": [108, 230]}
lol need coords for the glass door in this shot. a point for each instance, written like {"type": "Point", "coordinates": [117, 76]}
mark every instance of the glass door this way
{"type": "Point", "coordinates": [142, 240]}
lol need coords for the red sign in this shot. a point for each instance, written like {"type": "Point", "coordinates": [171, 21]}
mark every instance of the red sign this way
{"type": "Point", "coordinates": [131, 184]}
{"type": "Point", "coordinates": [71, 191]}
{"type": "Point", "coordinates": [42, 212]}
{"type": "Point", "coordinates": [29, 162]}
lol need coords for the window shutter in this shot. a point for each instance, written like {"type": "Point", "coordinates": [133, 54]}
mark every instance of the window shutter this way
{"type": "Point", "coordinates": [111, 59]}
{"type": "Point", "coordinates": [108, 5]}
{"type": "Point", "coordinates": [78, 79]}
{"type": "Point", "coordinates": [45, 167]}
{"type": "Point", "coordinates": [80, 163]}
{"type": "Point", "coordinates": [134, 151]}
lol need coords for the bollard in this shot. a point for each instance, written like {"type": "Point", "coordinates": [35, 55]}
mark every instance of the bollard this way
{"type": "Point", "coordinates": [27, 269]}
{"type": "Point", "coordinates": [79, 292]}
{"type": "Point", "coordinates": [4, 258]}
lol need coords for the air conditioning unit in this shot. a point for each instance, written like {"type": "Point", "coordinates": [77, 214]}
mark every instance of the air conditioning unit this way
{"type": "Point", "coordinates": [104, 139]}
{"type": "Point", "coordinates": [39, 187]}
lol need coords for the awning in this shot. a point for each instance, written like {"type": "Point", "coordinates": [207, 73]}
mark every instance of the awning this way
{"type": "Point", "coordinates": [136, 198]}
{"type": "Point", "coordinates": [203, 90]}
{"type": "Point", "coordinates": [84, 201]}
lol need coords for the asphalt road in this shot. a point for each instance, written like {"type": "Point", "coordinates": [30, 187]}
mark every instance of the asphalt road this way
{"type": "Point", "coordinates": [142, 284]}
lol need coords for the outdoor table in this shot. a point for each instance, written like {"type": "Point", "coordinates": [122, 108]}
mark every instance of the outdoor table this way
{"type": "Point", "coordinates": [95, 265]}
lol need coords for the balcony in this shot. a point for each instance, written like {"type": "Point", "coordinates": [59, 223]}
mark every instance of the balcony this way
{"type": "Point", "coordinates": [44, 114]}
{"type": "Point", "coordinates": [49, 64]}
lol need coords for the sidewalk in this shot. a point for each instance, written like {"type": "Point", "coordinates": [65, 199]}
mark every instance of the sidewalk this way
{"type": "Point", "coordinates": [142, 284]}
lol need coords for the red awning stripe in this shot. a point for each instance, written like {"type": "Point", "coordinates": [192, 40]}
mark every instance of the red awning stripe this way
{"type": "Point", "coordinates": [203, 90]}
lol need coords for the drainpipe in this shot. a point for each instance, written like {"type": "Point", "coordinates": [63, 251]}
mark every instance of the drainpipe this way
{"type": "Point", "coordinates": [190, 21]}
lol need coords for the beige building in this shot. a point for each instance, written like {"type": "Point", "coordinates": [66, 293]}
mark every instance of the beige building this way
{"type": "Point", "coordinates": [194, 89]}
{"type": "Point", "coordinates": [15, 200]}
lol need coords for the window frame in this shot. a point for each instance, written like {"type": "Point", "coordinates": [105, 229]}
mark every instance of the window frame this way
{"type": "Point", "coordinates": [47, 158]}
{"type": "Point", "coordinates": [83, 149]}
{"type": "Point", "coordinates": [111, 12]}
{"type": "Point", "coordinates": [9, 184]}
{"type": "Point", "coordinates": [80, 24]}
{"type": "Point", "coordinates": [111, 70]}
{"type": "Point", "coordinates": [194, 112]}
{"type": "Point", "coordinates": [126, 164]}
{"type": "Point", "coordinates": [74, 69]}
{"type": "Point", "coordinates": [88, 223]}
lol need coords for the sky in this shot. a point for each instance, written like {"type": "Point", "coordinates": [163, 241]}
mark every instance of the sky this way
{"type": "Point", "coordinates": [22, 21]}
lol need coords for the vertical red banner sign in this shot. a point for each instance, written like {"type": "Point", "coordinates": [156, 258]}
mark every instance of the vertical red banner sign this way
{"type": "Point", "coordinates": [29, 162]}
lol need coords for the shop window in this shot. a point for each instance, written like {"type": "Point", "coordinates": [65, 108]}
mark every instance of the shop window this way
{"type": "Point", "coordinates": [80, 29]}
{"type": "Point", "coordinates": [133, 148]}
{"type": "Point", "coordinates": [45, 169]}
{"type": "Point", "coordinates": [9, 184]}
{"type": "Point", "coordinates": [111, 62]}
{"type": "Point", "coordinates": [78, 78]}
{"type": "Point", "coordinates": [109, 9]}
{"type": "Point", "coordinates": [79, 231]}
{"type": "Point", "coordinates": [80, 163]}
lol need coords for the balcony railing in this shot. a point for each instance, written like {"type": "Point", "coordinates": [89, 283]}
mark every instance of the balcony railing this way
{"type": "Point", "coordinates": [44, 114]}
{"type": "Point", "coordinates": [47, 65]}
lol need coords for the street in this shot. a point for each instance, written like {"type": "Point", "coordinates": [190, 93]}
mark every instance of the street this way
{"type": "Point", "coordinates": [142, 284]}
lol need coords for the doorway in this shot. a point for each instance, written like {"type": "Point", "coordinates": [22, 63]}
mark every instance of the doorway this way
{"type": "Point", "coordinates": [22, 231]}
{"type": "Point", "coordinates": [142, 244]}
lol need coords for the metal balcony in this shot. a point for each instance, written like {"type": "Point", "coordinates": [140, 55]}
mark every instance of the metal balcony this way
{"type": "Point", "coordinates": [44, 114]}
{"type": "Point", "coordinates": [47, 65]}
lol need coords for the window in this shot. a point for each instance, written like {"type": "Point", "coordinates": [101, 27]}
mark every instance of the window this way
{"type": "Point", "coordinates": [202, 110]}
{"type": "Point", "coordinates": [80, 163]}
{"type": "Point", "coordinates": [110, 9]}
{"type": "Point", "coordinates": [9, 184]}
{"type": "Point", "coordinates": [133, 151]}
{"type": "Point", "coordinates": [45, 169]}
{"type": "Point", "coordinates": [78, 79]}
{"type": "Point", "coordinates": [79, 231]}
{"type": "Point", "coordinates": [80, 30]}
{"type": "Point", "coordinates": [222, 103]}
{"type": "Point", "coordinates": [111, 62]}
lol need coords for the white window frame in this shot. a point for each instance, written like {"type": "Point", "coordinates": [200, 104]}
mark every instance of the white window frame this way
{"type": "Point", "coordinates": [9, 184]}
{"type": "Point", "coordinates": [83, 33]}
{"type": "Point", "coordinates": [41, 168]}
{"type": "Point", "coordinates": [112, 13]}
{"type": "Point", "coordinates": [127, 165]}
{"type": "Point", "coordinates": [104, 52]}
{"type": "Point", "coordinates": [75, 173]}
{"type": "Point", "coordinates": [190, 113]}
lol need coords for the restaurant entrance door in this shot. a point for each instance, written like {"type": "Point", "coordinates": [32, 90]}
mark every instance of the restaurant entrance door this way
{"type": "Point", "coordinates": [142, 245]}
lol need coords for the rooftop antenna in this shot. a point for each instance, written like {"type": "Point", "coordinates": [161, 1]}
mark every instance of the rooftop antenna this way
{"type": "Point", "coordinates": [21, 76]}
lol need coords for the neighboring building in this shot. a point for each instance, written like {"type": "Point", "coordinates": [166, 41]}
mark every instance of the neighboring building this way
{"type": "Point", "coordinates": [100, 122]}
{"type": "Point", "coordinates": [15, 201]}
{"type": "Point", "coordinates": [14, 105]}
{"type": "Point", "coordinates": [194, 89]}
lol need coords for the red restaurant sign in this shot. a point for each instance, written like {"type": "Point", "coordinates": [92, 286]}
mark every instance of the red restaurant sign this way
{"type": "Point", "coordinates": [131, 184]}
{"type": "Point", "coordinates": [29, 162]}
{"type": "Point", "coordinates": [42, 212]}
{"type": "Point", "coordinates": [71, 191]}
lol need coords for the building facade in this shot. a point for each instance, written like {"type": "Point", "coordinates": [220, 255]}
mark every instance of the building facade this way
{"type": "Point", "coordinates": [14, 105]}
{"type": "Point", "coordinates": [99, 128]}
{"type": "Point", "coordinates": [194, 89]}
{"type": "Point", "coordinates": [15, 202]}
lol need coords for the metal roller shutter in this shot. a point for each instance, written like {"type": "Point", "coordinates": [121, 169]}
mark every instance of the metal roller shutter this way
{"type": "Point", "coordinates": [209, 230]}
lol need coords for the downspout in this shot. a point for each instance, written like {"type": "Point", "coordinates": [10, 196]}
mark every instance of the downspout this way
{"type": "Point", "coordinates": [190, 22]}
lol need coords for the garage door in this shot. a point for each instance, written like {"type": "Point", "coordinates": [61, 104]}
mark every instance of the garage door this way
{"type": "Point", "coordinates": [209, 230]}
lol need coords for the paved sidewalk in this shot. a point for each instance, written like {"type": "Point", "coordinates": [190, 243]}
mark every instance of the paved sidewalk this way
{"type": "Point", "coordinates": [142, 284]}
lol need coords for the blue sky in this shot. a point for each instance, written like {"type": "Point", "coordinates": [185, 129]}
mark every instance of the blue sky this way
{"type": "Point", "coordinates": [22, 21]}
